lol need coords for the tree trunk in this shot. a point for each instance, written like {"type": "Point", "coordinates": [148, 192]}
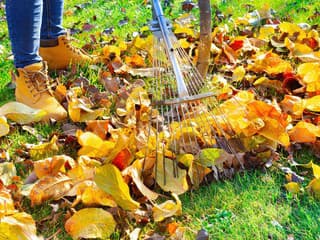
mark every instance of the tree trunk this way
{"type": "Point", "coordinates": [205, 37]}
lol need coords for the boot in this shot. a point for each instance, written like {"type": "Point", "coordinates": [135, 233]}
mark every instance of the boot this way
{"type": "Point", "coordinates": [59, 53]}
{"type": "Point", "coordinates": [33, 89]}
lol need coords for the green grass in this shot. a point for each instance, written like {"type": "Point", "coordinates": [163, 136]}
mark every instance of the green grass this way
{"type": "Point", "coordinates": [253, 205]}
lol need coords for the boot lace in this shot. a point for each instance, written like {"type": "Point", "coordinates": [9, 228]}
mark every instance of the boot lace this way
{"type": "Point", "coordinates": [39, 82]}
{"type": "Point", "coordinates": [76, 50]}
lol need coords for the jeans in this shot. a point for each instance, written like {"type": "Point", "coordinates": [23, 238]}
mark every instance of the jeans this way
{"type": "Point", "coordinates": [28, 22]}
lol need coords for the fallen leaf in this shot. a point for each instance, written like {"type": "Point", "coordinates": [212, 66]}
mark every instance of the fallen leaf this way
{"type": "Point", "coordinates": [304, 132]}
{"type": "Point", "coordinates": [50, 187]}
{"type": "Point", "coordinates": [314, 187]}
{"type": "Point", "coordinates": [19, 225]}
{"type": "Point", "coordinates": [44, 149]}
{"type": "Point", "coordinates": [90, 223]}
{"type": "Point", "coordinates": [7, 172]}
{"type": "Point", "coordinates": [171, 178]}
{"type": "Point", "coordinates": [167, 209]}
{"type": "Point", "coordinates": [109, 178]}
{"type": "Point", "coordinates": [21, 113]}
{"type": "Point", "coordinates": [4, 126]}
{"type": "Point", "coordinates": [92, 145]}
{"type": "Point", "coordinates": [50, 166]}
{"type": "Point", "coordinates": [292, 187]}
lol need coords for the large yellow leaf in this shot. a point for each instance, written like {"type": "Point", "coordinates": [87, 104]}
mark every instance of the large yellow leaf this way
{"type": "Point", "coordinates": [18, 226]}
{"type": "Point", "coordinates": [109, 179]}
{"type": "Point", "coordinates": [170, 177]}
{"type": "Point", "coordinates": [21, 113]}
{"type": "Point", "coordinates": [50, 188]}
{"type": "Point", "coordinates": [167, 209]}
{"type": "Point", "coordinates": [90, 223]}
{"type": "Point", "coordinates": [4, 126]}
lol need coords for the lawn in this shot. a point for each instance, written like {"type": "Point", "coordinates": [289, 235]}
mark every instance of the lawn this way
{"type": "Point", "coordinates": [252, 205]}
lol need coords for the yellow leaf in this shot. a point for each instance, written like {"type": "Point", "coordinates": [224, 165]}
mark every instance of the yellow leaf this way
{"type": "Point", "coordinates": [20, 226]}
{"type": "Point", "coordinates": [45, 149]}
{"type": "Point", "coordinates": [90, 223]}
{"type": "Point", "coordinates": [169, 177]}
{"type": "Point", "coordinates": [109, 179]}
{"type": "Point", "coordinates": [313, 104]}
{"type": "Point", "coordinates": [265, 33]}
{"type": "Point", "coordinates": [292, 187]}
{"type": "Point", "coordinates": [167, 209]}
{"type": "Point", "coordinates": [110, 49]}
{"type": "Point", "coordinates": [314, 187]}
{"type": "Point", "coordinates": [183, 29]}
{"type": "Point", "coordinates": [185, 159]}
{"type": "Point", "coordinates": [275, 132]}
{"type": "Point", "coordinates": [93, 145]}
{"type": "Point", "coordinates": [4, 126]}
{"type": "Point", "coordinates": [238, 74]}
{"type": "Point", "coordinates": [21, 113]}
{"type": "Point", "coordinates": [89, 194]}
{"type": "Point", "coordinates": [316, 170]}
{"type": "Point", "coordinates": [50, 188]}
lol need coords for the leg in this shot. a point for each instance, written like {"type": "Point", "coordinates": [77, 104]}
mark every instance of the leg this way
{"type": "Point", "coordinates": [51, 27]}
{"type": "Point", "coordinates": [24, 23]}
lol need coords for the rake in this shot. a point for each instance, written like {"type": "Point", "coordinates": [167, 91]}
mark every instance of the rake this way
{"type": "Point", "coordinates": [185, 116]}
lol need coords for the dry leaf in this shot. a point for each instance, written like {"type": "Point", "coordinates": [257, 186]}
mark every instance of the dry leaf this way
{"type": "Point", "coordinates": [51, 166]}
{"type": "Point", "coordinates": [90, 223]}
{"type": "Point", "coordinates": [166, 178]}
{"type": "Point", "coordinates": [20, 226]}
{"type": "Point", "coordinates": [167, 209]}
{"type": "Point", "coordinates": [44, 149]}
{"type": "Point", "coordinates": [304, 132]}
{"type": "Point", "coordinates": [7, 172]}
{"type": "Point", "coordinates": [50, 187]}
{"type": "Point", "coordinates": [21, 113]}
{"type": "Point", "coordinates": [109, 179]}
{"type": "Point", "coordinates": [4, 126]}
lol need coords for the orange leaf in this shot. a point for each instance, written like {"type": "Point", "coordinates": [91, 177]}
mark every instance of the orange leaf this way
{"type": "Point", "coordinates": [304, 132]}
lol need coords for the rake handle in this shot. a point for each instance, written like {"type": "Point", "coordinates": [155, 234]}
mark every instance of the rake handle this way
{"type": "Point", "coordinates": [162, 21]}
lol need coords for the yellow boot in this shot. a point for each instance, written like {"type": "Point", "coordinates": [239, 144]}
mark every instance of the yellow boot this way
{"type": "Point", "coordinates": [33, 89]}
{"type": "Point", "coordinates": [59, 53]}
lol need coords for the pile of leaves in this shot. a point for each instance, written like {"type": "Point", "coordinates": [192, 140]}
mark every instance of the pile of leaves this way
{"type": "Point", "coordinates": [266, 76]}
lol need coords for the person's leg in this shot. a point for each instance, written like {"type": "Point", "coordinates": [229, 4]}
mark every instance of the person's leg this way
{"type": "Point", "coordinates": [24, 19]}
{"type": "Point", "coordinates": [55, 47]}
{"type": "Point", "coordinates": [51, 27]}
{"type": "Point", "coordinates": [24, 23]}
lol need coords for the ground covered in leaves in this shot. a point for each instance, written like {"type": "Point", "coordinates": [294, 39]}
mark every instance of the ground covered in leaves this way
{"type": "Point", "coordinates": [265, 74]}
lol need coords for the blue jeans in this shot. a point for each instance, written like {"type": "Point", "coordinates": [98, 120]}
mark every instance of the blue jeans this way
{"type": "Point", "coordinates": [28, 22]}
